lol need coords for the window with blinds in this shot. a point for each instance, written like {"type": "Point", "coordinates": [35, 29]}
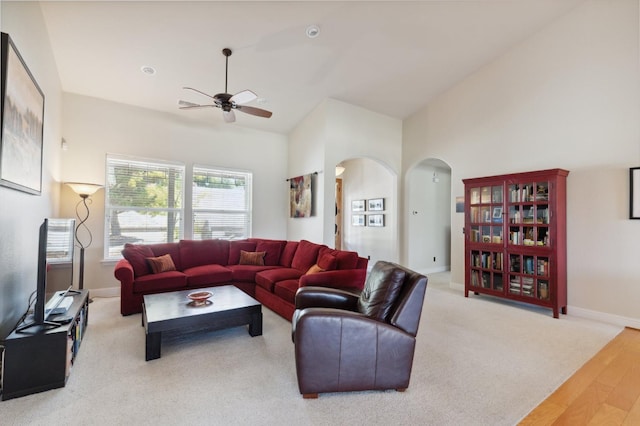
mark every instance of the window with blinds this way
{"type": "Point", "coordinates": [144, 203]}
{"type": "Point", "coordinates": [221, 204]}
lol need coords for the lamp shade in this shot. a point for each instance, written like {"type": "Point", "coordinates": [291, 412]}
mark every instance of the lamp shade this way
{"type": "Point", "coordinates": [83, 189]}
{"type": "Point", "coordinates": [339, 170]}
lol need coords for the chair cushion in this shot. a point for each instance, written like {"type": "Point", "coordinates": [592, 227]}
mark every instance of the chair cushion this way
{"type": "Point", "coordinates": [381, 291]}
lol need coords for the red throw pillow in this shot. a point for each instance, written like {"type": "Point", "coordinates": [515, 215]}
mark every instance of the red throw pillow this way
{"type": "Point", "coordinates": [137, 255]}
{"type": "Point", "coordinates": [162, 263]}
{"type": "Point", "coordinates": [255, 258]}
{"type": "Point", "coordinates": [328, 262]}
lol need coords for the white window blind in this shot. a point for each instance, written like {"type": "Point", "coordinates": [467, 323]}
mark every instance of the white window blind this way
{"type": "Point", "coordinates": [60, 240]}
{"type": "Point", "coordinates": [221, 203]}
{"type": "Point", "coordinates": [144, 203]}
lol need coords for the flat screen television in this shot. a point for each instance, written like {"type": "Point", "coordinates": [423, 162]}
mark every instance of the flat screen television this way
{"type": "Point", "coordinates": [39, 320]}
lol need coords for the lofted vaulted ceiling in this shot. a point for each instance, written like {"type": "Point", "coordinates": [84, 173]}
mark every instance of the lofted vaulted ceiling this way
{"type": "Point", "coordinates": [390, 57]}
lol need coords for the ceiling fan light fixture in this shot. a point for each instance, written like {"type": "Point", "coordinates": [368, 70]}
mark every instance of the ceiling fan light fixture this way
{"type": "Point", "coordinates": [313, 31]}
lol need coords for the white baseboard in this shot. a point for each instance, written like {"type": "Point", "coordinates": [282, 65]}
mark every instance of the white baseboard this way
{"type": "Point", "coordinates": [433, 270]}
{"type": "Point", "coordinates": [603, 317]}
{"type": "Point", "coordinates": [585, 313]}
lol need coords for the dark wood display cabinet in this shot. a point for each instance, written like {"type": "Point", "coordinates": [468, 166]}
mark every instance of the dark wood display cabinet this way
{"type": "Point", "coordinates": [37, 360]}
{"type": "Point", "coordinates": [515, 237]}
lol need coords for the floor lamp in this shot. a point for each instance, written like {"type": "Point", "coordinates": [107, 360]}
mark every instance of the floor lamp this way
{"type": "Point", "coordinates": [84, 190]}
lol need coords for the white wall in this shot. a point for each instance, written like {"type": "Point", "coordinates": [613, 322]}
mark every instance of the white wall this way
{"type": "Point", "coordinates": [428, 216]}
{"type": "Point", "coordinates": [333, 132]}
{"type": "Point", "coordinates": [20, 213]}
{"type": "Point", "coordinates": [95, 127]}
{"type": "Point", "coordinates": [568, 97]}
{"type": "Point", "coordinates": [365, 179]}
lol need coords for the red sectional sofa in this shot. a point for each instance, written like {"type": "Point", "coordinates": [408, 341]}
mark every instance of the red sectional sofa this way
{"type": "Point", "coordinates": [287, 265]}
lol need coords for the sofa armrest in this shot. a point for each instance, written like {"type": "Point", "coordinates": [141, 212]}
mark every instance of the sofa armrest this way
{"type": "Point", "coordinates": [326, 297]}
{"type": "Point", "coordinates": [124, 272]}
{"type": "Point", "coordinates": [345, 278]}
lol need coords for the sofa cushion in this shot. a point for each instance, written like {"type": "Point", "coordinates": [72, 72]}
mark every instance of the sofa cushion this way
{"type": "Point", "coordinates": [172, 249]}
{"type": "Point", "coordinates": [267, 279]}
{"type": "Point", "coordinates": [286, 290]}
{"type": "Point", "coordinates": [344, 259]}
{"type": "Point", "coordinates": [246, 273]}
{"type": "Point", "coordinates": [137, 255]}
{"type": "Point", "coordinates": [306, 255]}
{"type": "Point", "coordinates": [203, 252]}
{"type": "Point", "coordinates": [255, 258]}
{"type": "Point", "coordinates": [156, 283]}
{"type": "Point", "coordinates": [327, 261]}
{"type": "Point", "coordinates": [288, 251]}
{"type": "Point", "coordinates": [381, 290]}
{"type": "Point", "coordinates": [207, 274]}
{"type": "Point", "coordinates": [162, 263]}
{"type": "Point", "coordinates": [273, 249]}
{"type": "Point", "coordinates": [236, 246]}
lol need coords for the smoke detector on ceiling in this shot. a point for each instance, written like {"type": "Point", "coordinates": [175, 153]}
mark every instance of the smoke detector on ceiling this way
{"type": "Point", "coordinates": [148, 70]}
{"type": "Point", "coordinates": [313, 31]}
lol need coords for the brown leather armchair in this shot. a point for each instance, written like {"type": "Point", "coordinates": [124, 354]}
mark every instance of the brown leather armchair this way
{"type": "Point", "coordinates": [352, 342]}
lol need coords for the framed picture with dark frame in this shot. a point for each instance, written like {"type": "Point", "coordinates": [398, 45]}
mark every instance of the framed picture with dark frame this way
{"type": "Point", "coordinates": [634, 193]}
{"type": "Point", "coordinates": [375, 220]}
{"type": "Point", "coordinates": [357, 205]}
{"type": "Point", "coordinates": [358, 220]}
{"type": "Point", "coordinates": [375, 204]}
{"type": "Point", "coordinates": [21, 122]}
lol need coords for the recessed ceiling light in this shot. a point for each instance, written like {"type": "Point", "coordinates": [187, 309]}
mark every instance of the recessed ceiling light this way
{"type": "Point", "coordinates": [313, 31]}
{"type": "Point", "coordinates": [148, 70]}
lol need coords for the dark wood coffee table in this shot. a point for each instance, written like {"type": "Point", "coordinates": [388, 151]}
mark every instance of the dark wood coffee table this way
{"type": "Point", "coordinates": [229, 307]}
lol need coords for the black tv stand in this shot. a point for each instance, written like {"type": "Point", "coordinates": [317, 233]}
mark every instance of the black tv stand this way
{"type": "Point", "coordinates": [42, 358]}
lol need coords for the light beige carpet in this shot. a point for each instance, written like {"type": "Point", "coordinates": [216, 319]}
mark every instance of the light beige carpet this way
{"type": "Point", "coordinates": [479, 361]}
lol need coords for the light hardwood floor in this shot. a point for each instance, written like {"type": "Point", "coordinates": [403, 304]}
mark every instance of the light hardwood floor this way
{"type": "Point", "coordinates": [605, 391]}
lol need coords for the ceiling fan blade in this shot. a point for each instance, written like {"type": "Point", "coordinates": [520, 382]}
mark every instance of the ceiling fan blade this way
{"type": "Point", "coordinates": [229, 116]}
{"type": "Point", "coordinates": [198, 91]}
{"type": "Point", "coordinates": [243, 97]}
{"type": "Point", "coordinates": [189, 105]}
{"type": "Point", "coordinates": [254, 111]}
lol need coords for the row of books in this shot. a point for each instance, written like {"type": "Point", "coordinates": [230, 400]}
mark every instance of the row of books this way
{"type": "Point", "coordinates": [487, 260]}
